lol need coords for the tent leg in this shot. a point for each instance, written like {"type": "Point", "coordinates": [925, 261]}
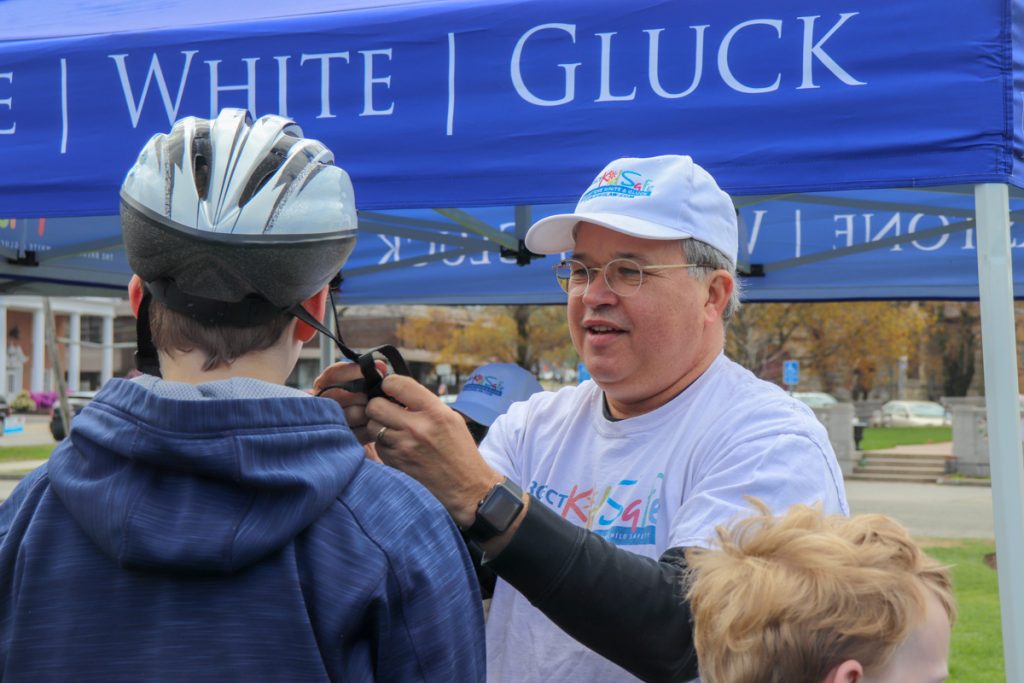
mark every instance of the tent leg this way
{"type": "Point", "coordinates": [524, 219]}
{"type": "Point", "coordinates": [326, 345]}
{"type": "Point", "coordinates": [999, 346]}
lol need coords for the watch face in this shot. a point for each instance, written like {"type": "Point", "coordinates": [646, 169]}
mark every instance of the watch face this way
{"type": "Point", "coordinates": [501, 508]}
{"type": "Point", "coordinates": [497, 511]}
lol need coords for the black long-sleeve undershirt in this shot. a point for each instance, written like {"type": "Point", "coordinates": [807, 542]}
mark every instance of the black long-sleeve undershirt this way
{"type": "Point", "coordinates": [584, 584]}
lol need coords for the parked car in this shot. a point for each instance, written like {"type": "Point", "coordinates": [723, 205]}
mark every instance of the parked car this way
{"type": "Point", "coordinates": [76, 401]}
{"type": "Point", "coordinates": [821, 399]}
{"type": "Point", "coordinates": [815, 399]}
{"type": "Point", "coordinates": [914, 414]}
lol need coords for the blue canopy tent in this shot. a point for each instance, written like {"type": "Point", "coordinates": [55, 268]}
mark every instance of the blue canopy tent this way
{"type": "Point", "coordinates": [875, 150]}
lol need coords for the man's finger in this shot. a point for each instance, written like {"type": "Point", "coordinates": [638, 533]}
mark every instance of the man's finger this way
{"type": "Point", "coordinates": [337, 374]}
{"type": "Point", "coordinates": [382, 412]}
{"type": "Point", "coordinates": [410, 393]}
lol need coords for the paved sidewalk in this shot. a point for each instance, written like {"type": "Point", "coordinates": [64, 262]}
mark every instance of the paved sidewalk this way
{"type": "Point", "coordinates": [941, 448]}
{"type": "Point", "coordinates": [928, 510]}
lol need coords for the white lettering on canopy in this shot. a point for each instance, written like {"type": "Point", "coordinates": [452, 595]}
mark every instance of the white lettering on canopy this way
{"type": "Point", "coordinates": [941, 242]}
{"type": "Point", "coordinates": [249, 87]}
{"type": "Point", "coordinates": [570, 69]}
{"type": "Point", "coordinates": [893, 227]}
{"type": "Point", "coordinates": [811, 51]}
{"type": "Point", "coordinates": [325, 78]}
{"type": "Point", "coordinates": [9, 103]}
{"type": "Point", "coordinates": [282, 84]}
{"type": "Point", "coordinates": [539, 50]}
{"type": "Point", "coordinates": [155, 72]}
{"type": "Point", "coordinates": [723, 57]}
{"type": "Point", "coordinates": [653, 61]}
{"type": "Point", "coordinates": [606, 76]}
{"type": "Point", "coordinates": [369, 81]}
{"type": "Point", "coordinates": [394, 252]}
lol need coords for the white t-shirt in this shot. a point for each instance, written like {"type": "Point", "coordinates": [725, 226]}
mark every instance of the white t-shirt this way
{"type": "Point", "coordinates": [661, 480]}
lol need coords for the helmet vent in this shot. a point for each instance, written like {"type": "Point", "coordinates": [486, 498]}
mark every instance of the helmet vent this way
{"type": "Point", "coordinates": [201, 168]}
{"type": "Point", "coordinates": [201, 152]}
{"type": "Point", "coordinates": [261, 175]}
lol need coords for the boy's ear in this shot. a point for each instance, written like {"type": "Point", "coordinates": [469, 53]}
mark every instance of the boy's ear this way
{"type": "Point", "coordinates": [849, 671]}
{"type": "Point", "coordinates": [317, 306]}
{"type": "Point", "coordinates": [135, 293]}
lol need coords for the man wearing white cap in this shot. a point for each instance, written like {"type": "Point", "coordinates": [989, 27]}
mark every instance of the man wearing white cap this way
{"type": "Point", "coordinates": [622, 473]}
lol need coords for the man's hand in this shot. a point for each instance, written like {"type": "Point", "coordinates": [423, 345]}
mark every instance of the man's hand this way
{"type": "Point", "coordinates": [431, 443]}
{"type": "Point", "coordinates": [352, 403]}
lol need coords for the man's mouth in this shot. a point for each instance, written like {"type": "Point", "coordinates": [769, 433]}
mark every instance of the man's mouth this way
{"type": "Point", "coordinates": [602, 329]}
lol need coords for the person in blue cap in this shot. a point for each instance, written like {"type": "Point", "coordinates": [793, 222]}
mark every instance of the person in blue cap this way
{"type": "Point", "coordinates": [490, 391]}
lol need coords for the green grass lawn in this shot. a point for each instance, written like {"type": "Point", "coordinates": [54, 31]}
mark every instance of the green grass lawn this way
{"type": "Point", "coordinates": [10, 453]}
{"type": "Point", "coordinates": [877, 438]}
{"type": "Point", "coordinates": [976, 653]}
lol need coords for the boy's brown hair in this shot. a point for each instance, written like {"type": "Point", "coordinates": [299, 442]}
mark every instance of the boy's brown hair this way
{"type": "Point", "coordinates": [174, 332]}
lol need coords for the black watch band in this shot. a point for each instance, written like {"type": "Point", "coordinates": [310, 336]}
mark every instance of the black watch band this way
{"type": "Point", "coordinates": [496, 512]}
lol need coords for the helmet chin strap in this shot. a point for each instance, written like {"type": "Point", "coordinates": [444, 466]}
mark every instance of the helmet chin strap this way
{"type": "Point", "coordinates": [147, 360]}
{"type": "Point", "coordinates": [371, 382]}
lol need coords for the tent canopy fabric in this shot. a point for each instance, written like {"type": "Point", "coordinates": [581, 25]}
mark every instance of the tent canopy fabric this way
{"type": "Point", "coordinates": [812, 120]}
{"type": "Point", "coordinates": [518, 102]}
{"type": "Point", "coordinates": [878, 244]}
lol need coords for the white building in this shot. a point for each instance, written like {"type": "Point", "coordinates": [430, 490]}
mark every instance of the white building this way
{"type": "Point", "coordinates": [85, 332]}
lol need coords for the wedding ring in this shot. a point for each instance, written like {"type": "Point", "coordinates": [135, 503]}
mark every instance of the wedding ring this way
{"type": "Point", "coordinates": [380, 435]}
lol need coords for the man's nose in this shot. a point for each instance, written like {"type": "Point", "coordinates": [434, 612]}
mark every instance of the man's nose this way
{"type": "Point", "coordinates": [598, 292]}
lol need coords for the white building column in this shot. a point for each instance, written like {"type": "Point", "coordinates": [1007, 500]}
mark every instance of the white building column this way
{"type": "Point", "coordinates": [38, 351]}
{"type": "Point", "coordinates": [3, 353]}
{"type": "Point", "coordinates": [75, 352]}
{"type": "Point", "coordinates": [107, 362]}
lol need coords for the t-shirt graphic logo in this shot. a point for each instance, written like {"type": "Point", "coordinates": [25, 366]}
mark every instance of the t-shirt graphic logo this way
{"type": "Point", "coordinates": [626, 184]}
{"type": "Point", "coordinates": [622, 513]}
{"type": "Point", "coordinates": [492, 386]}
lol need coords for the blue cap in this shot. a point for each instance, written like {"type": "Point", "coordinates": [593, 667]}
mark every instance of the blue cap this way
{"type": "Point", "coordinates": [492, 388]}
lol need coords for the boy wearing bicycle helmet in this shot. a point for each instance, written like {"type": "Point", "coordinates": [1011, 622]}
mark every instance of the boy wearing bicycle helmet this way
{"type": "Point", "coordinates": [203, 521]}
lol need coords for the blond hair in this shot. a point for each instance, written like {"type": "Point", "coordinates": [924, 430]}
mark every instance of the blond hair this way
{"type": "Point", "coordinates": [787, 599]}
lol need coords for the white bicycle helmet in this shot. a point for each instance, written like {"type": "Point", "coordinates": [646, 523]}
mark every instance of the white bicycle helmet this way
{"type": "Point", "coordinates": [222, 216]}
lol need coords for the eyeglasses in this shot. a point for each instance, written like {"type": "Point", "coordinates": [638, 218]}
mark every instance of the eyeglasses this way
{"type": "Point", "coordinates": [622, 275]}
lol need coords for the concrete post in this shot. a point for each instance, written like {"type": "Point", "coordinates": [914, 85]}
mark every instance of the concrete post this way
{"type": "Point", "coordinates": [75, 352]}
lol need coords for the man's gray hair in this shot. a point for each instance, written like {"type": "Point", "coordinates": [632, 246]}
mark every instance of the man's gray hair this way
{"type": "Point", "coordinates": [703, 253]}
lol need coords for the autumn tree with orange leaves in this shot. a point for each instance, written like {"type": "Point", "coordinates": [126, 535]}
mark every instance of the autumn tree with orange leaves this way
{"type": "Point", "coordinates": [843, 344]}
{"type": "Point", "coordinates": [523, 334]}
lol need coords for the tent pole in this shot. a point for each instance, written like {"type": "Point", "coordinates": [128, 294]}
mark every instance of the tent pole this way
{"type": "Point", "coordinates": [326, 345]}
{"type": "Point", "coordinates": [999, 346]}
{"type": "Point", "coordinates": [524, 219]}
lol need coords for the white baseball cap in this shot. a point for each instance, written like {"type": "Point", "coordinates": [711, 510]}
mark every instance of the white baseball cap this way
{"type": "Point", "coordinates": [492, 388]}
{"type": "Point", "coordinates": [657, 198]}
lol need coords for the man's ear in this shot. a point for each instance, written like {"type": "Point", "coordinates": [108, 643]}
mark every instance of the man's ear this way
{"type": "Point", "coordinates": [849, 671]}
{"type": "Point", "coordinates": [317, 306]}
{"type": "Point", "coordinates": [720, 286]}
{"type": "Point", "coordinates": [135, 294]}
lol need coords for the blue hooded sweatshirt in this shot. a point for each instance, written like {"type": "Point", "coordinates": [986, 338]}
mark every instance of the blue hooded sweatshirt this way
{"type": "Point", "coordinates": [229, 540]}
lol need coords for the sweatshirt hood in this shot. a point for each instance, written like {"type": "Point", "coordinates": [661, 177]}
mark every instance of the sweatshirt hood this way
{"type": "Point", "coordinates": [201, 486]}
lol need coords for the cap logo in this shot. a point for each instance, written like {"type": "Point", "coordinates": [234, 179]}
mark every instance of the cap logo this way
{"type": "Point", "coordinates": [492, 386]}
{"type": "Point", "coordinates": [615, 183]}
